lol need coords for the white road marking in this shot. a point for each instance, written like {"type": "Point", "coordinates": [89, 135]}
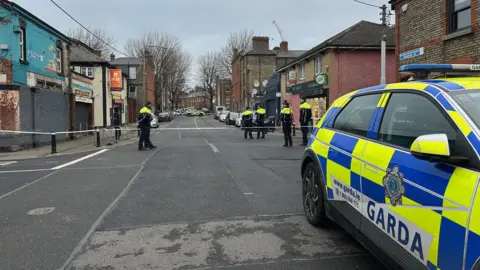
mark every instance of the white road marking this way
{"type": "Point", "coordinates": [7, 163]}
{"type": "Point", "coordinates": [196, 124]}
{"type": "Point", "coordinates": [214, 148]}
{"type": "Point", "coordinates": [20, 171]}
{"type": "Point", "coordinates": [80, 159]}
{"type": "Point", "coordinates": [29, 184]}
{"type": "Point", "coordinates": [40, 211]}
{"type": "Point", "coordinates": [248, 193]}
{"type": "Point", "coordinates": [76, 251]}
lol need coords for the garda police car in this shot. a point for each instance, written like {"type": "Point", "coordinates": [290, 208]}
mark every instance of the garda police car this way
{"type": "Point", "coordinates": [397, 166]}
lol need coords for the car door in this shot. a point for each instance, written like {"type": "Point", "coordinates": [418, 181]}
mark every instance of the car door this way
{"type": "Point", "coordinates": [342, 145]}
{"type": "Point", "coordinates": [413, 209]}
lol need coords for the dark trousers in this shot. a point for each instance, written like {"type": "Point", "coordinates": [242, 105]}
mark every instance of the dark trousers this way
{"type": "Point", "coordinates": [144, 140]}
{"type": "Point", "coordinates": [248, 129]}
{"type": "Point", "coordinates": [304, 128]}
{"type": "Point", "coordinates": [287, 133]}
{"type": "Point", "coordinates": [261, 129]}
{"type": "Point", "coordinates": [118, 133]}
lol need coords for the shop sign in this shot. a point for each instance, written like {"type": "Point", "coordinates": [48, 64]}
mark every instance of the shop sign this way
{"type": "Point", "coordinates": [117, 98]}
{"type": "Point", "coordinates": [306, 86]}
{"type": "Point", "coordinates": [116, 79]}
{"type": "Point", "coordinates": [321, 79]}
{"type": "Point", "coordinates": [292, 77]}
{"type": "Point", "coordinates": [83, 96]}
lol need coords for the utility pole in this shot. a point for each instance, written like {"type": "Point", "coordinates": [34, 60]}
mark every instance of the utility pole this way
{"type": "Point", "coordinates": [383, 57]}
{"type": "Point", "coordinates": [145, 76]}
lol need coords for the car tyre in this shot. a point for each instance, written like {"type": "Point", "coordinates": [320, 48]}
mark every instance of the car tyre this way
{"type": "Point", "coordinates": [313, 196]}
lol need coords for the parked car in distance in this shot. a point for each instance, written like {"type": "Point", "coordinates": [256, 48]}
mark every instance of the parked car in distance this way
{"type": "Point", "coordinates": [165, 116]}
{"type": "Point", "coordinates": [232, 118]}
{"type": "Point", "coordinates": [223, 116]}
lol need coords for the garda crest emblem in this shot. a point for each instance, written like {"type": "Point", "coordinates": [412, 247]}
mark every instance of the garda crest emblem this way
{"type": "Point", "coordinates": [393, 183]}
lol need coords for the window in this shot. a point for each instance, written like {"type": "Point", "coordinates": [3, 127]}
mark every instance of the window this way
{"type": "Point", "coordinates": [408, 116]}
{"type": "Point", "coordinates": [132, 72]}
{"type": "Point", "coordinates": [469, 101]}
{"type": "Point", "coordinates": [318, 65]}
{"type": "Point", "coordinates": [301, 70]}
{"type": "Point", "coordinates": [132, 89]}
{"type": "Point", "coordinates": [355, 117]}
{"type": "Point", "coordinates": [58, 60]}
{"type": "Point", "coordinates": [87, 71]}
{"type": "Point", "coordinates": [23, 47]}
{"type": "Point", "coordinates": [460, 13]}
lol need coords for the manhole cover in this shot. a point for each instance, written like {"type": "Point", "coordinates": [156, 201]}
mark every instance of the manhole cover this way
{"type": "Point", "coordinates": [40, 211]}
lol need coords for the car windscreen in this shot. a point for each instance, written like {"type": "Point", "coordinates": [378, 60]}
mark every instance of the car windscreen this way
{"type": "Point", "coordinates": [225, 112]}
{"type": "Point", "coordinates": [469, 100]}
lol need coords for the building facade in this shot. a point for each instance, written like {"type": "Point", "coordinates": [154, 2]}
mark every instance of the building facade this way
{"type": "Point", "coordinates": [141, 81]}
{"type": "Point", "coordinates": [348, 61]}
{"type": "Point", "coordinates": [449, 34]}
{"type": "Point", "coordinates": [223, 91]}
{"type": "Point", "coordinates": [35, 90]}
{"type": "Point", "coordinates": [82, 86]}
{"type": "Point", "coordinates": [198, 100]}
{"type": "Point", "coordinates": [109, 85]}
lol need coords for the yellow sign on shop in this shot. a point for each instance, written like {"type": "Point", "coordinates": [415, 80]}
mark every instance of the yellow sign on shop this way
{"type": "Point", "coordinates": [116, 96]}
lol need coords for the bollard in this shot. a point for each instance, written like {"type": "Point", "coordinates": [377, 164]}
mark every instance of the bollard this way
{"type": "Point", "coordinates": [54, 143]}
{"type": "Point", "coordinates": [293, 129]}
{"type": "Point", "coordinates": [97, 135]}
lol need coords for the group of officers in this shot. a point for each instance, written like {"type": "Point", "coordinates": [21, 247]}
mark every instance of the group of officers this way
{"type": "Point", "coordinates": [286, 118]}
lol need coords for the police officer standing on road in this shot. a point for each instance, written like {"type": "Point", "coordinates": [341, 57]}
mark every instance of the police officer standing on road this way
{"type": "Point", "coordinates": [247, 117]}
{"type": "Point", "coordinates": [305, 120]}
{"type": "Point", "coordinates": [144, 118]}
{"type": "Point", "coordinates": [286, 116]}
{"type": "Point", "coordinates": [261, 122]}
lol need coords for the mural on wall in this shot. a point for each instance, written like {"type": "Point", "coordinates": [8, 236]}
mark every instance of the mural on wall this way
{"type": "Point", "coordinates": [52, 63]}
{"type": "Point", "coordinates": [9, 110]}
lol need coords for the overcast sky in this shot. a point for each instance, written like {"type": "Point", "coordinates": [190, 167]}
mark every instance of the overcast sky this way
{"type": "Point", "coordinates": [203, 25]}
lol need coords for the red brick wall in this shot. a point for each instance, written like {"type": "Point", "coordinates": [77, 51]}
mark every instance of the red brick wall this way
{"type": "Point", "coordinates": [358, 69]}
{"type": "Point", "coordinates": [6, 68]}
{"type": "Point", "coordinates": [236, 90]}
{"type": "Point", "coordinates": [150, 81]}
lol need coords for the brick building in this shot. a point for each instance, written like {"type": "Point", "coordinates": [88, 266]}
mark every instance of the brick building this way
{"type": "Point", "coordinates": [223, 92]}
{"type": "Point", "coordinates": [345, 62]}
{"type": "Point", "coordinates": [257, 66]}
{"type": "Point", "coordinates": [436, 31]}
{"type": "Point", "coordinates": [198, 99]}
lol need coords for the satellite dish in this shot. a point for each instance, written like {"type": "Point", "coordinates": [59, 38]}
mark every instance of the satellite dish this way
{"type": "Point", "coordinates": [278, 94]}
{"type": "Point", "coordinates": [254, 91]}
{"type": "Point", "coordinates": [264, 83]}
{"type": "Point", "coordinates": [256, 83]}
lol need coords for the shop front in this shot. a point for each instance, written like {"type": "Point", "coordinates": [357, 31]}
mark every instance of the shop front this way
{"type": "Point", "coordinates": [117, 111]}
{"type": "Point", "coordinates": [83, 88]}
{"type": "Point", "coordinates": [271, 101]}
{"type": "Point", "coordinates": [315, 94]}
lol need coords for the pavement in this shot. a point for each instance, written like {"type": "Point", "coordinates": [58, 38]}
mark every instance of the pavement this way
{"type": "Point", "coordinates": [206, 198]}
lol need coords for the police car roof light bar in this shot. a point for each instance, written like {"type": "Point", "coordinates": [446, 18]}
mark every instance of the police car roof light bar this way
{"type": "Point", "coordinates": [421, 71]}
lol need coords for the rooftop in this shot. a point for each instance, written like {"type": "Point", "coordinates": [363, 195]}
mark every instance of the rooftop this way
{"type": "Point", "coordinates": [121, 61]}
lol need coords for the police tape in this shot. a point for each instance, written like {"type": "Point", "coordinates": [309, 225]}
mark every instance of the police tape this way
{"type": "Point", "coordinates": [19, 132]}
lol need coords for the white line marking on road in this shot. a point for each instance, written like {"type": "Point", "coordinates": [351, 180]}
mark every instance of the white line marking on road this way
{"type": "Point", "coordinates": [7, 163]}
{"type": "Point", "coordinates": [29, 184]}
{"type": "Point", "coordinates": [195, 121]}
{"type": "Point", "coordinates": [214, 148]}
{"type": "Point", "coordinates": [80, 159]}
{"type": "Point", "coordinates": [248, 193]}
{"type": "Point", "coordinates": [78, 249]}
{"type": "Point", "coordinates": [20, 171]}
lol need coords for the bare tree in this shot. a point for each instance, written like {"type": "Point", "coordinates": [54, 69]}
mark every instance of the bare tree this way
{"type": "Point", "coordinates": [208, 70]}
{"type": "Point", "coordinates": [241, 41]}
{"type": "Point", "coordinates": [93, 41]}
{"type": "Point", "coordinates": [177, 73]}
{"type": "Point", "coordinates": [163, 48]}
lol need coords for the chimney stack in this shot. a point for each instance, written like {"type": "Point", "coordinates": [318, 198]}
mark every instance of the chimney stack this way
{"type": "Point", "coordinates": [260, 44]}
{"type": "Point", "coordinates": [112, 57]}
{"type": "Point", "coordinates": [284, 46]}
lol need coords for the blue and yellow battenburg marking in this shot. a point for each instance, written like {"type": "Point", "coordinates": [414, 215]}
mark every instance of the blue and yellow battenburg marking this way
{"type": "Point", "coordinates": [435, 204]}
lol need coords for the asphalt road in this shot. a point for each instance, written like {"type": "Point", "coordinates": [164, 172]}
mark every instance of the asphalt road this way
{"type": "Point", "coordinates": [205, 198]}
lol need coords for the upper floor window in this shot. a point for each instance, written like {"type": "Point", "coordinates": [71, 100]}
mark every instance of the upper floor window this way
{"type": "Point", "coordinates": [58, 60]}
{"type": "Point", "coordinates": [23, 47]}
{"type": "Point", "coordinates": [301, 70]}
{"type": "Point", "coordinates": [132, 73]}
{"type": "Point", "coordinates": [318, 65]}
{"type": "Point", "coordinates": [459, 14]}
{"type": "Point", "coordinates": [356, 116]}
{"type": "Point", "coordinates": [87, 71]}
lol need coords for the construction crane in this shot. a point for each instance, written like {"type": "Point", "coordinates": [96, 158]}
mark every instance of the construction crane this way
{"type": "Point", "coordinates": [280, 31]}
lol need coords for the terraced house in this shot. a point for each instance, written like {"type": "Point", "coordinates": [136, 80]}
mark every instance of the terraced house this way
{"type": "Point", "coordinates": [34, 85]}
{"type": "Point", "coordinates": [345, 62]}
{"type": "Point", "coordinates": [448, 34]}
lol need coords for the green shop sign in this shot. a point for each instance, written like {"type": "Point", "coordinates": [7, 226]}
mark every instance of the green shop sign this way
{"type": "Point", "coordinates": [318, 83]}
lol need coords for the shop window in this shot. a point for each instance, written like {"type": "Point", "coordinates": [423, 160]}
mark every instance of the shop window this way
{"type": "Point", "coordinates": [459, 15]}
{"type": "Point", "coordinates": [87, 71]}
{"type": "Point", "coordinates": [58, 60]}
{"type": "Point", "coordinates": [23, 47]}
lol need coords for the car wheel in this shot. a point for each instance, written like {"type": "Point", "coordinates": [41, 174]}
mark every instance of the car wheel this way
{"type": "Point", "coordinates": [313, 195]}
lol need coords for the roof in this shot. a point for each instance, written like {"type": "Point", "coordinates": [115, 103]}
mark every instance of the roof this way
{"type": "Point", "coordinates": [290, 54]}
{"type": "Point", "coordinates": [82, 54]}
{"type": "Point", "coordinates": [254, 52]}
{"type": "Point", "coordinates": [123, 61]}
{"type": "Point", "coordinates": [197, 94]}
{"type": "Point", "coordinates": [363, 34]}
{"type": "Point", "coordinates": [15, 6]}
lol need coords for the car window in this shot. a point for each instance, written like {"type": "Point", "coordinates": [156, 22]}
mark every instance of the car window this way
{"type": "Point", "coordinates": [408, 116]}
{"type": "Point", "coordinates": [355, 117]}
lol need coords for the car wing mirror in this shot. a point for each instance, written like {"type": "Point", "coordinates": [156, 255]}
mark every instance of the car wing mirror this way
{"type": "Point", "coordinates": [435, 148]}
